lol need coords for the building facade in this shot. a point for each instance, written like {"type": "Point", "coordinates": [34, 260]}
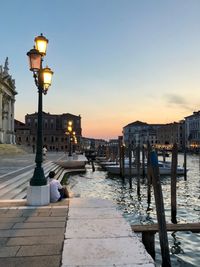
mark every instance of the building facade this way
{"type": "Point", "coordinates": [7, 102]}
{"type": "Point", "coordinates": [171, 133]}
{"type": "Point", "coordinates": [139, 133]}
{"type": "Point", "coordinates": [192, 131]}
{"type": "Point", "coordinates": [55, 135]}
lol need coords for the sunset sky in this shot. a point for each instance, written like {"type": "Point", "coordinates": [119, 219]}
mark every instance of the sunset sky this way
{"type": "Point", "coordinates": [114, 61]}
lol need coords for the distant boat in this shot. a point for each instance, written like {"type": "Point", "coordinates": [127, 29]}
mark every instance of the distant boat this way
{"type": "Point", "coordinates": [164, 169]}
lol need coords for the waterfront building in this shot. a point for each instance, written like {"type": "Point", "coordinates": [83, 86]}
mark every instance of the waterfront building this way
{"type": "Point", "coordinates": [92, 143]}
{"type": "Point", "coordinates": [192, 131]}
{"type": "Point", "coordinates": [139, 133]}
{"type": "Point", "coordinates": [55, 135]}
{"type": "Point", "coordinates": [7, 101]}
{"type": "Point", "coordinates": [171, 133]}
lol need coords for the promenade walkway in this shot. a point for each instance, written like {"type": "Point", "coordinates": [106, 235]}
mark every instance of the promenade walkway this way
{"type": "Point", "coordinates": [72, 233]}
{"type": "Point", "coordinates": [76, 232]}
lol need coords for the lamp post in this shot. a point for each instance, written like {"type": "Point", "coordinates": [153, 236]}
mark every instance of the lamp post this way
{"type": "Point", "coordinates": [42, 77]}
{"type": "Point", "coordinates": [74, 141]}
{"type": "Point", "coordinates": [69, 128]}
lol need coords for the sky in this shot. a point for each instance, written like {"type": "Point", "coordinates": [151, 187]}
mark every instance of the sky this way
{"type": "Point", "coordinates": [114, 61]}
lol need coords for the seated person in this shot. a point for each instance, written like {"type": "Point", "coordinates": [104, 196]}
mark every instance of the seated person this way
{"type": "Point", "coordinates": [57, 191]}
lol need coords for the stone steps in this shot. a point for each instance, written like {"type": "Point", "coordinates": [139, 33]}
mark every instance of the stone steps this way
{"type": "Point", "coordinates": [15, 188]}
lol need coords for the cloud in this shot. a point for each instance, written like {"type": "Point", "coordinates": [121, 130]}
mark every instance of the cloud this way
{"type": "Point", "coordinates": [177, 100]}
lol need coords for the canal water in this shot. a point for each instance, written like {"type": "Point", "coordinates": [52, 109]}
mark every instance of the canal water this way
{"type": "Point", "coordinates": [184, 246]}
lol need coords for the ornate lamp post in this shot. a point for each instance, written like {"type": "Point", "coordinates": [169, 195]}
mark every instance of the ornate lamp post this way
{"type": "Point", "coordinates": [42, 77]}
{"type": "Point", "coordinates": [69, 129]}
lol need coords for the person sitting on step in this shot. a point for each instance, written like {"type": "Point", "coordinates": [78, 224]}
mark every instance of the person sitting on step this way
{"type": "Point", "coordinates": [57, 191]}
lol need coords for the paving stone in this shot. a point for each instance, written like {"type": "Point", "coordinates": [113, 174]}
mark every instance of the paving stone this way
{"type": "Point", "coordinates": [2, 211]}
{"type": "Point", "coordinates": [6, 225]}
{"type": "Point", "coordinates": [90, 203]}
{"type": "Point", "coordinates": [3, 241]}
{"type": "Point", "coordinates": [31, 232]}
{"type": "Point", "coordinates": [104, 251]}
{"type": "Point", "coordinates": [33, 240]}
{"type": "Point", "coordinates": [13, 213]}
{"type": "Point", "coordinates": [97, 228]}
{"type": "Point", "coordinates": [11, 219]}
{"type": "Point", "coordinates": [26, 213]}
{"type": "Point", "coordinates": [59, 215]}
{"type": "Point", "coordinates": [60, 212]}
{"type": "Point", "coordinates": [93, 213]}
{"type": "Point", "coordinates": [38, 225]}
{"type": "Point", "coordinates": [36, 250]}
{"type": "Point", "coordinates": [8, 251]}
{"type": "Point", "coordinates": [41, 261]}
{"type": "Point", "coordinates": [45, 219]}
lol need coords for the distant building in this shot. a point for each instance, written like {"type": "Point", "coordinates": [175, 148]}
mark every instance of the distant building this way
{"type": "Point", "coordinates": [171, 133]}
{"type": "Point", "coordinates": [7, 101]}
{"type": "Point", "coordinates": [55, 136]}
{"type": "Point", "coordinates": [92, 143]}
{"type": "Point", "coordinates": [192, 131]}
{"type": "Point", "coordinates": [139, 133]}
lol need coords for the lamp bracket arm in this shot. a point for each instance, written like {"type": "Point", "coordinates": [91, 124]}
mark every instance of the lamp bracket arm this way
{"type": "Point", "coordinates": [35, 76]}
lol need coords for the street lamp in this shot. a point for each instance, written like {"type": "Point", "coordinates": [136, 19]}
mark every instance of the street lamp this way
{"type": "Point", "coordinates": [69, 128]}
{"type": "Point", "coordinates": [42, 77]}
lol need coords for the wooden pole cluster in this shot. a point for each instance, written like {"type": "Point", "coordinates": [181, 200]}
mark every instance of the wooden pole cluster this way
{"type": "Point", "coordinates": [153, 177]}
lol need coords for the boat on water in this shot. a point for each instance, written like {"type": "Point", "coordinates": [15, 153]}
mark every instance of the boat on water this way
{"type": "Point", "coordinates": [164, 169]}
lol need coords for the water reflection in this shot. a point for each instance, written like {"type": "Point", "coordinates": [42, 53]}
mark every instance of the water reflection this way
{"type": "Point", "coordinates": [176, 247]}
{"type": "Point", "coordinates": [137, 211]}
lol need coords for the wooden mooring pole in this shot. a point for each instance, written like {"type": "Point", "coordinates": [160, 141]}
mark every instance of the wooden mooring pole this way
{"type": "Point", "coordinates": [149, 180]}
{"type": "Point", "coordinates": [160, 210]}
{"type": "Point", "coordinates": [92, 162]}
{"type": "Point", "coordinates": [138, 169]}
{"type": "Point", "coordinates": [120, 154]}
{"type": "Point", "coordinates": [123, 163]}
{"type": "Point", "coordinates": [185, 163]}
{"type": "Point", "coordinates": [143, 162]}
{"type": "Point", "coordinates": [130, 165]}
{"type": "Point", "coordinates": [173, 182]}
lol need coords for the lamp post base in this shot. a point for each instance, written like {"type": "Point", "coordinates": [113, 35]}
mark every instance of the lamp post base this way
{"type": "Point", "coordinates": [38, 195]}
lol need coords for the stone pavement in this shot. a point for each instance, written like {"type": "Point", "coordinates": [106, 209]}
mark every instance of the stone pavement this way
{"type": "Point", "coordinates": [32, 236]}
{"type": "Point", "coordinates": [98, 235]}
{"type": "Point", "coordinates": [76, 232]}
